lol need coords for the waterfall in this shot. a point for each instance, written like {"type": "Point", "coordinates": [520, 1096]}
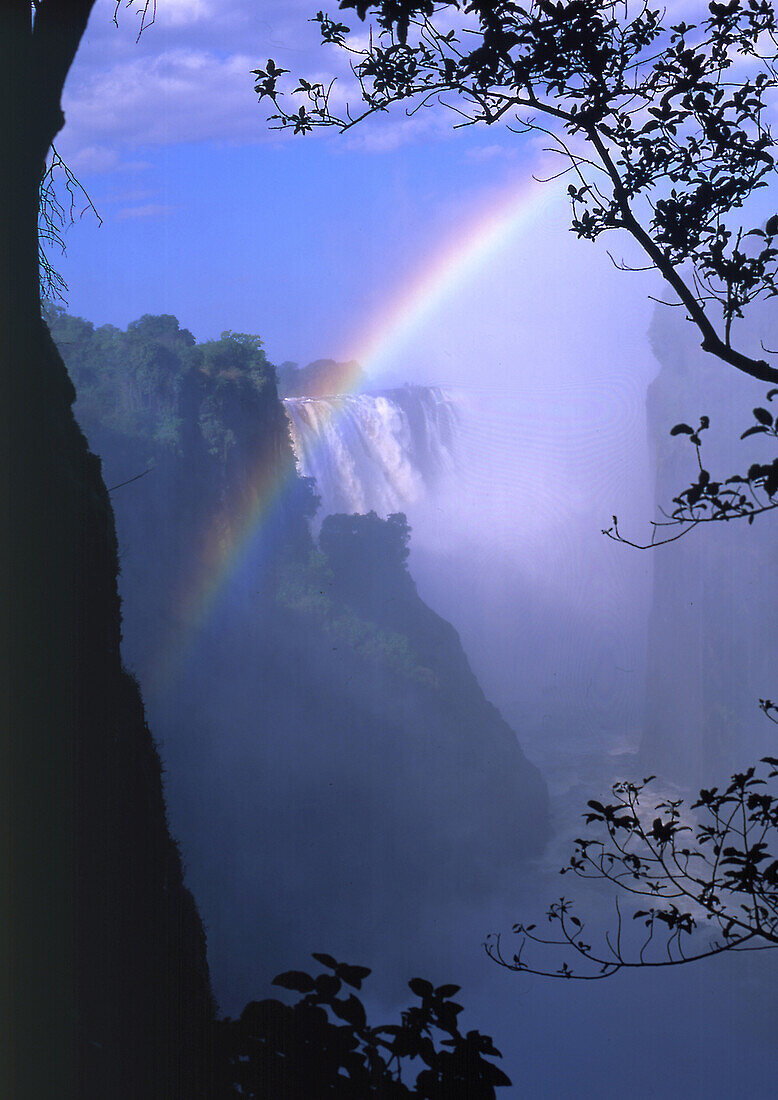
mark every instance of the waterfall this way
{"type": "Point", "coordinates": [374, 451]}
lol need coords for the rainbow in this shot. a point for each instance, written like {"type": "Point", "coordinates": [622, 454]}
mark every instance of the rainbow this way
{"type": "Point", "coordinates": [457, 262]}
{"type": "Point", "coordinates": [221, 557]}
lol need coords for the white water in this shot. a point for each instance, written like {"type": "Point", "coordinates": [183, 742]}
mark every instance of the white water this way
{"type": "Point", "coordinates": [374, 452]}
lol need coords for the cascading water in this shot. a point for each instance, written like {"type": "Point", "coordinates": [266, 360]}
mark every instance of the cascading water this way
{"type": "Point", "coordinates": [374, 451]}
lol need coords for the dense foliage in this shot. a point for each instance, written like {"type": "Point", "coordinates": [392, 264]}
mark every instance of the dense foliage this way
{"type": "Point", "coordinates": [148, 384]}
{"type": "Point", "coordinates": [324, 1046]}
{"type": "Point", "coordinates": [139, 382]}
{"type": "Point", "coordinates": [321, 378]}
{"type": "Point", "coordinates": [306, 587]}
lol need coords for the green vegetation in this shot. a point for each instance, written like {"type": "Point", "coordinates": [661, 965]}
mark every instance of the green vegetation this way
{"type": "Point", "coordinates": [306, 587]}
{"type": "Point", "coordinates": [160, 396]}
{"type": "Point", "coordinates": [321, 378]}
{"type": "Point", "coordinates": [138, 383]}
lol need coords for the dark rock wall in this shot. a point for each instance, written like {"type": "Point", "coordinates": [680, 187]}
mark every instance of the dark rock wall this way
{"type": "Point", "coordinates": [143, 997]}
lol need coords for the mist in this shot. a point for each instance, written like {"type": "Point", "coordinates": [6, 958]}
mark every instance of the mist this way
{"type": "Point", "coordinates": [386, 649]}
{"type": "Point", "coordinates": [551, 442]}
{"type": "Point", "coordinates": [579, 642]}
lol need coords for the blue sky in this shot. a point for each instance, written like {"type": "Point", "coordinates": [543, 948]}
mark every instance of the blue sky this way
{"type": "Point", "coordinates": [210, 215]}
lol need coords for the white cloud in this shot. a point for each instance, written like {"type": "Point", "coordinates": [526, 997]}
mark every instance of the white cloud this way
{"type": "Point", "coordinates": [128, 195]}
{"type": "Point", "coordinates": [189, 79]}
{"type": "Point", "coordinates": [490, 152]}
{"type": "Point", "coordinates": [89, 159]}
{"type": "Point", "coordinates": [177, 96]}
{"type": "Point", "coordinates": [182, 13]}
{"type": "Point", "coordinates": [147, 210]}
{"type": "Point", "coordinates": [95, 159]}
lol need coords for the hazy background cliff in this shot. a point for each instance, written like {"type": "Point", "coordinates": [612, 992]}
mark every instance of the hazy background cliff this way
{"type": "Point", "coordinates": [712, 647]}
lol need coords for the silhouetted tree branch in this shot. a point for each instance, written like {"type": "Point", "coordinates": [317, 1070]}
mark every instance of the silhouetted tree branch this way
{"type": "Point", "coordinates": [740, 496]}
{"type": "Point", "coordinates": [663, 131]}
{"type": "Point", "coordinates": [662, 128]}
{"type": "Point", "coordinates": [711, 881]}
{"type": "Point", "coordinates": [56, 211]}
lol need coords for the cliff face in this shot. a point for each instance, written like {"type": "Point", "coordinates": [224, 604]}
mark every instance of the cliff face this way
{"type": "Point", "coordinates": [334, 772]}
{"type": "Point", "coordinates": [712, 631]}
{"type": "Point", "coordinates": [142, 998]}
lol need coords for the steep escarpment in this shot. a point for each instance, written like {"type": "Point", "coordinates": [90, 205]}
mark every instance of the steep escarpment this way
{"type": "Point", "coordinates": [139, 1011]}
{"type": "Point", "coordinates": [333, 768]}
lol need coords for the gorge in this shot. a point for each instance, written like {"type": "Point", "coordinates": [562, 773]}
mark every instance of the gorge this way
{"type": "Point", "coordinates": [320, 725]}
{"type": "Point", "coordinates": [335, 775]}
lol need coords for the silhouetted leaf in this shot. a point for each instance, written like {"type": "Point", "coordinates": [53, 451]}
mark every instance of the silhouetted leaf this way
{"type": "Point", "coordinates": [497, 1077]}
{"type": "Point", "coordinates": [327, 985]}
{"type": "Point", "coordinates": [325, 960]}
{"type": "Point", "coordinates": [351, 1010]}
{"type": "Point", "coordinates": [763, 416]}
{"type": "Point", "coordinates": [352, 975]}
{"type": "Point", "coordinates": [297, 980]}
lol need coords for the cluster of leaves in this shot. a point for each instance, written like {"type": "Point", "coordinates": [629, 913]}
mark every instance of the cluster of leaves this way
{"type": "Point", "coordinates": [323, 1045]}
{"type": "Point", "coordinates": [706, 500]}
{"type": "Point", "coordinates": [712, 880]}
{"type": "Point", "coordinates": [662, 127]}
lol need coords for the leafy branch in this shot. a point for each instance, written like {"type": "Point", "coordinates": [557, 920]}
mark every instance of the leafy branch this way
{"type": "Point", "coordinates": [324, 1045]}
{"type": "Point", "coordinates": [706, 500]}
{"type": "Point", "coordinates": [711, 880]}
{"type": "Point", "coordinates": [662, 127]}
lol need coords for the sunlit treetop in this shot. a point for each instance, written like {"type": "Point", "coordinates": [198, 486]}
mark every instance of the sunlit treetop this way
{"type": "Point", "coordinates": [663, 128]}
